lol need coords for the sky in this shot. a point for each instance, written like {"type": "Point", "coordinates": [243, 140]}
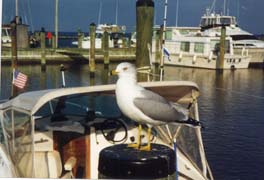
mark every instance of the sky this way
{"type": "Point", "coordinates": [75, 14]}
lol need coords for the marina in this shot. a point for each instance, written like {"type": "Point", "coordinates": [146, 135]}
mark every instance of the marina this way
{"type": "Point", "coordinates": [157, 102]}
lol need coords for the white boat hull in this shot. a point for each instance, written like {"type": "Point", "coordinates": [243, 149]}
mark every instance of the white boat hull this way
{"type": "Point", "coordinates": [230, 62]}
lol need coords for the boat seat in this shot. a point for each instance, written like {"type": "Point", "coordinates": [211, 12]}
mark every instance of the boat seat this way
{"type": "Point", "coordinates": [47, 165]}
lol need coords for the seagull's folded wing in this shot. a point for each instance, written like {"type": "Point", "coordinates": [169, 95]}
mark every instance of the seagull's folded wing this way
{"type": "Point", "coordinates": [160, 110]}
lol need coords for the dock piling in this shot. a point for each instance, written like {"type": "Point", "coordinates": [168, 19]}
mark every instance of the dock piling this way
{"type": "Point", "coordinates": [144, 22]}
{"type": "Point", "coordinates": [53, 39]}
{"type": "Point", "coordinates": [43, 49]}
{"type": "Point", "coordinates": [158, 46]}
{"type": "Point", "coordinates": [221, 57]}
{"type": "Point", "coordinates": [92, 49]}
{"type": "Point", "coordinates": [106, 49]}
{"type": "Point", "coordinates": [80, 39]}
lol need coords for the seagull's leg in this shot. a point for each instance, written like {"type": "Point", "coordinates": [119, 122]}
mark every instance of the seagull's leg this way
{"type": "Point", "coordinates": [137, 144]}
{"type": "Point", "coordinates": [148, 146]}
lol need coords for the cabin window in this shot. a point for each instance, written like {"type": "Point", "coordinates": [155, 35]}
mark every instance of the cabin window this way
{"type": "Point", "coordinates": [168, 35]}
{"type": "Point", "coordinates": [185, 46]}
{"type": "Point", "coordinates": [227, 46]}
{"type": "Point", "coordinates": [226, 21]}
{"type": "Point", "coordinates": [203, 22]}
{"type": "Point", "coordinates": [198, 47]}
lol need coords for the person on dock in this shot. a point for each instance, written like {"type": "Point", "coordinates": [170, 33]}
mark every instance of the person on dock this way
{"type": "Point", "coordinates": [49, 37]}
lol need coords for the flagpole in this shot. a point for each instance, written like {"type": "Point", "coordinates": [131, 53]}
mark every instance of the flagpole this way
{"type": "Point", "coordinates": [14, 53]}
{"type": "Point", "coordinates": [163, 41]}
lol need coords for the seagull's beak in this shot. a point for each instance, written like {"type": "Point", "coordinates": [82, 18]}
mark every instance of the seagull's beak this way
{"type": "Point", "coordinates": [113, 72]}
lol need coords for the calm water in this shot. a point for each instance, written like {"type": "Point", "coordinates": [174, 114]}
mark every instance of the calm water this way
{"type": "Point", "coordinates": [231, 108]}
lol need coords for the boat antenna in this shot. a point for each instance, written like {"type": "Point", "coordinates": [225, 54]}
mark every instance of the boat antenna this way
{"type": "Point", "coordinates": [100, 12]}
{"type": "Point", "coordinates": [224, 7]}
{"type": "Point", "coordinates": [238, 10]}
{"type": "Point", "coordinates": [163, 40]}
{"type": "Point", "coordinates": [116, 18]}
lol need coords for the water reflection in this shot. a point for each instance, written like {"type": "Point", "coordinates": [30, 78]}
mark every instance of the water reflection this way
{"type": "Point", "coordinates": [231, 108]}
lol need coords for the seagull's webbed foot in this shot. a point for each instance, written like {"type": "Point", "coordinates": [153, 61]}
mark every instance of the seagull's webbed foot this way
{"type": "Point", "coordinates": [148, 146]}
{"type": "Point", "coordinates": [134, 145]}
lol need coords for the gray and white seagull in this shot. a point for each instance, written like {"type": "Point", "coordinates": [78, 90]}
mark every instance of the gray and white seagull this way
{"type": "Point", "coordinates": [144, 106]}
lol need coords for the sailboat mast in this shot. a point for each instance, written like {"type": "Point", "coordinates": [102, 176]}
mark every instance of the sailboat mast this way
{"type": "Point", "coordinates": [238, 12]}
{"type": "Point", "coordinates": [99, 13]}
{"type": "Point", "coordinates": [177, 13]}
{"type": "Point", "coordinates": [56, 22]}
{"type": "Point", "coordinates": [16, 8]}
{"type": "Point", "coordinates": [224, 7]}
{"type": "Point", "coordinates": [116, 18]}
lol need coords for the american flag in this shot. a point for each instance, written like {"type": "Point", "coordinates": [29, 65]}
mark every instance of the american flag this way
{"type": "Point", "coordinates": [20, 79]}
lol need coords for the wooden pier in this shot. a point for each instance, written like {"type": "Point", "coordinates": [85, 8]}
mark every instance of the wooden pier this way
{"type": "Point", "coordinates": [67, 55]}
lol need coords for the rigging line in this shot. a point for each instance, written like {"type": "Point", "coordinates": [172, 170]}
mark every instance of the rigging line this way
{"type": "Point", "coordinates": [24, 12]}
{"type": "Point", "coordinates": [30, 15]}
{"type": "Point", "coordinates": [212, 7]}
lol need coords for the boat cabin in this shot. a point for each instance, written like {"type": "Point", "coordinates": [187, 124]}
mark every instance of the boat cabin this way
{"type": "Point", "coordinates": [217, 20]}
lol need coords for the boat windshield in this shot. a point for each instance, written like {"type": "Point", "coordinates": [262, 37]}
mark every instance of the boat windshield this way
{"type": "Point", "coordinates": [17, 126]}
{"type": "Point", "coordinates": [80, 105]}
{"type": "Point", "coordinates": [226, 20]}
{"type": "Point", "coordinates": [6, 32]}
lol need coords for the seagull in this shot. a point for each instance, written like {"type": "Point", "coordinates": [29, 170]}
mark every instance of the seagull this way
{"type": "Point", "coordinates": [144, 106]}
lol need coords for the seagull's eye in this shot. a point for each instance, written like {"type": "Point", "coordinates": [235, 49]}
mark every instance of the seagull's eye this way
{"type": "Point", "coordinates": [125, 68]}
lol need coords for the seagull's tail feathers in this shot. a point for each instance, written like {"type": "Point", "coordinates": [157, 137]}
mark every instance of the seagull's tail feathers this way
{"type": "Point", "coordinates": [190, 122]}
{"type": "Point", "coordinates": [182, 113]}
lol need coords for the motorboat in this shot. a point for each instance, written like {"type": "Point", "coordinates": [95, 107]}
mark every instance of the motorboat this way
{"type": "Point", "coordinates": [192, 48]}
{"type": "Point", "coordinates": [60, 133]}
{"type": "Point", "coordinates": [6, 36]}
{"type": "Point", "coordinates": [115, 39]}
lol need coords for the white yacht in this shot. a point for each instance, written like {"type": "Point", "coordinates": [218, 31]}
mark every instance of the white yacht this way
{"type": "Point", "coordinates": [192, 48]}
{"type": "Point", "coordinates": [62, 133]}
{"type": "Point", "coordinates": [116, 33]}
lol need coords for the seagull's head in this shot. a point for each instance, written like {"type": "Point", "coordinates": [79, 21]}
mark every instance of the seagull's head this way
{"type": "Point", "coordinates": [125, 69]}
